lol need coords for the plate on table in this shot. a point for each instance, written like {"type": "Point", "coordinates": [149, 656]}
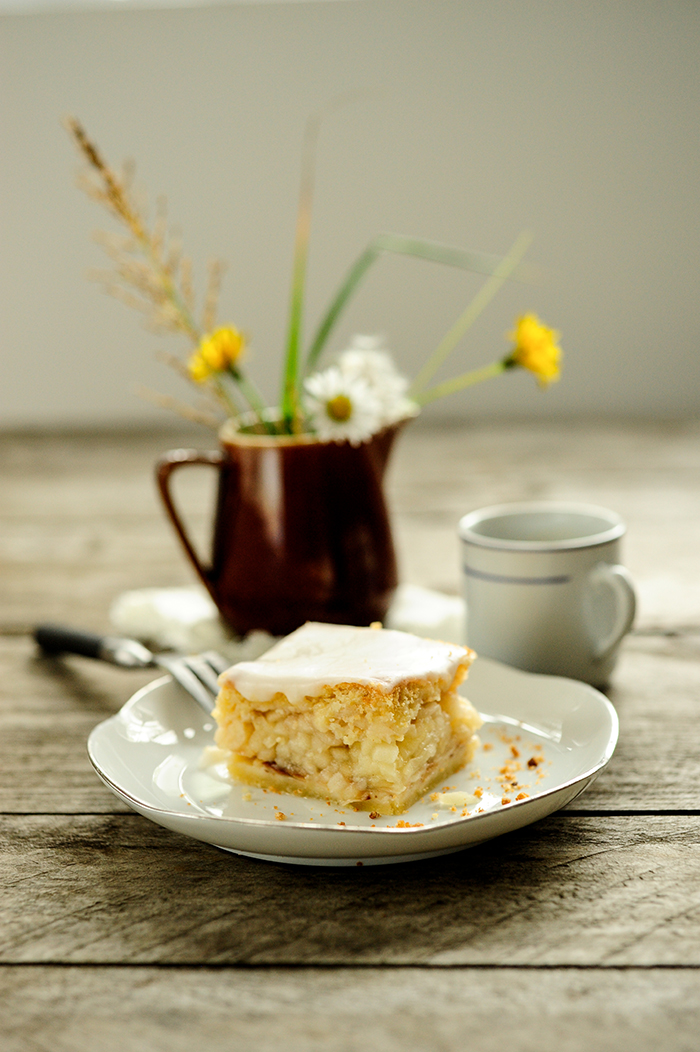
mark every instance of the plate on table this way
{"type": "Point", "coordinates": [543, 741]}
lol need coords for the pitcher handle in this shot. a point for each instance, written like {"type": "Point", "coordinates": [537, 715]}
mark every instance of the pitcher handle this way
{"type": "Point", "coordinates": [166, 465]}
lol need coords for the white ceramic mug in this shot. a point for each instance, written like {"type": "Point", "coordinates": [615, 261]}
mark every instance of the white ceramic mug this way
{"type": "Point", "coordinates": [544, 587]}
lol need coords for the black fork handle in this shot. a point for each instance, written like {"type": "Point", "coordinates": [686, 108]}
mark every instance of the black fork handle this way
{"type": "Point", "coordinates": [58, 639]}
{"type": "Point", "coordinates": [126, 653]}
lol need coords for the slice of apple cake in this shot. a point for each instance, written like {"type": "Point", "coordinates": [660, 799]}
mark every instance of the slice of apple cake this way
{"type": "Point", "coordinates": [366, 718]}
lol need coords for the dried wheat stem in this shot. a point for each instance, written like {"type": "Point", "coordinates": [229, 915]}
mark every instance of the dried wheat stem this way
{"type": "Point", "coordinates": [211, 299]}
{"type": "Point", "coordinates": [181, 408]}
{"type": "Point", "coordinates": [158, 275]}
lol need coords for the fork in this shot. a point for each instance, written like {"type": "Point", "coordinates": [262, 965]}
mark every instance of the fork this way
{"type": "Point", "coordinates": [196, 673]}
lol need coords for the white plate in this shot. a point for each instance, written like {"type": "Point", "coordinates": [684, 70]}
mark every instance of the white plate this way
{"type": "Point", "coordinates": [150, 755]}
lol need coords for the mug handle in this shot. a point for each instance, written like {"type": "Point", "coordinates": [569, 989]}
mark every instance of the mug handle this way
{"type": "Point", "coordinates": [166, 465]}
{"type": "Point", "coordinates": [614, 576]}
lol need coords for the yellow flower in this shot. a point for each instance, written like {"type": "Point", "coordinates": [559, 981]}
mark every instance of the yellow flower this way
{"type": "Point", "coordinates": [217, 352]}
{"type": "Point", "coordinates": [198, 369]}
{"type": "Point", "coordinates": [535, 349]}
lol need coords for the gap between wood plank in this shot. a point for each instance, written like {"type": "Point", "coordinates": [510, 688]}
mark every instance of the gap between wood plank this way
{"type": "Point", "coordinates": [294, 966]}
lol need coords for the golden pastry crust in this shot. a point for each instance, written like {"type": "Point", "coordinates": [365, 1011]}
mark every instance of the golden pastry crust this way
{"type": "Point", "coordinates": [355, 745]}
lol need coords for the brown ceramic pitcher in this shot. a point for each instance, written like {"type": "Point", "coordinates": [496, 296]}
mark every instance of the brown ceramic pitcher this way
{"type": "Point", "coordinates": [301, 530]}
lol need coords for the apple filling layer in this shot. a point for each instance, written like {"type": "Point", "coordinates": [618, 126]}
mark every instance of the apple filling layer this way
{"type": "Point", "coordinates": [376, 741]}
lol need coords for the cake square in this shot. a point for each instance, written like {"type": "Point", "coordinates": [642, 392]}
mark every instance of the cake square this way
{"type": "Point", "coordinates": [367, 718]}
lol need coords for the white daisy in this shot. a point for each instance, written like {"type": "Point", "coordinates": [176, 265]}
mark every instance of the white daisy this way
{"type": "Point", "coordinates": [366, 359]}
{"type": "Point", "coordinates": [341, 408]}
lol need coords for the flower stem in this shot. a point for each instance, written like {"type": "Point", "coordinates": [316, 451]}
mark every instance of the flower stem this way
{"type": "Point", "coordinates": [468, 317]}
{"type": "Point", "coordinates": [290, 389]}
{"type": "Point", "coordinates": [458, 383]}
{"type": "Point", "coordinates": [399, 244]}
{"type": "Point", "coordinates": [353, 279]}
{"type": "Point", "coordinates": [224, 397]}
{"type": "Point", "coordinates": [252, 397]}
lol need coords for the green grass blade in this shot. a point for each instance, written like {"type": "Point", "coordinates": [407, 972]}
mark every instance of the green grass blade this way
{"type": "Point", "coordinates": [353, 279]}
{"type": "Point", "coordinates": [465, 259]}
{"type": "Point", "coordinates": [290, 384]}
{"type": "Point", "coordinates": [458, 383]}
{"type": "Point", "coordinates": [483, 297]}
{"type": "Point", "coordinates": [419, 248]}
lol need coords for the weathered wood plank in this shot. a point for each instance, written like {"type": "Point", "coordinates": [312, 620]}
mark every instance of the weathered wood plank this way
{"type": "Point", "coordinates": [406, 1010]}
{"type": "Point", "coordinates": [48, 708]}
{"type": "Point", "coordinates": [568, 891]}
{"type": "Point", "coordinates": [647, 471]}
{"type": "Point", "coordinates": [80, 520]}
{"type": "Point", "coordinates": [655, 691]}
{"type": "Point", "coordinates": [580, 905]}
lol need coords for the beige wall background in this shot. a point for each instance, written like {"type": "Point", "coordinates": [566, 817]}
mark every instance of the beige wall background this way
{"type": "Point", "coordinates": [579, 121]}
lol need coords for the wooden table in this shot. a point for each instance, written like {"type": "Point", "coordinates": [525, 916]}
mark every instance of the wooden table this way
{"type": "Point", "coordinates": [580, 932]}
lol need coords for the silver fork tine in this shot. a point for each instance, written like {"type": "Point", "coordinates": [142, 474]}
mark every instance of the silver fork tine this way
{"type": "Point", "coordinates": [217, 661]}
{"type": "Point", "coordinates": [200, 664]}
{"type": "Point", "coordinates": [181, 672]}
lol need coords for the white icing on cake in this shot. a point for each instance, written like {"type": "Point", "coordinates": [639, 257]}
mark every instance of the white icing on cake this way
{"type": "Point", "coordinates": [319, 655]}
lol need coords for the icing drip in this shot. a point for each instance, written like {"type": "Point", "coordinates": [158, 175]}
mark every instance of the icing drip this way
{"type": "Point", "coordinates": [319, 655]}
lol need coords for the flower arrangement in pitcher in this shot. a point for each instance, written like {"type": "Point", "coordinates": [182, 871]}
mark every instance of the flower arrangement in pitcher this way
{"type": "Point", "coordinates": [350, 400]}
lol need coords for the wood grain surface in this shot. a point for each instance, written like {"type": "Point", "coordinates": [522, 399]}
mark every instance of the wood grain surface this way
{"type": "Point", "coordinates": [571, 890]}
{"type": "Point", "coordinates": [579, 932]}
{"type": "Point", "coordinates": [313, 1010]}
